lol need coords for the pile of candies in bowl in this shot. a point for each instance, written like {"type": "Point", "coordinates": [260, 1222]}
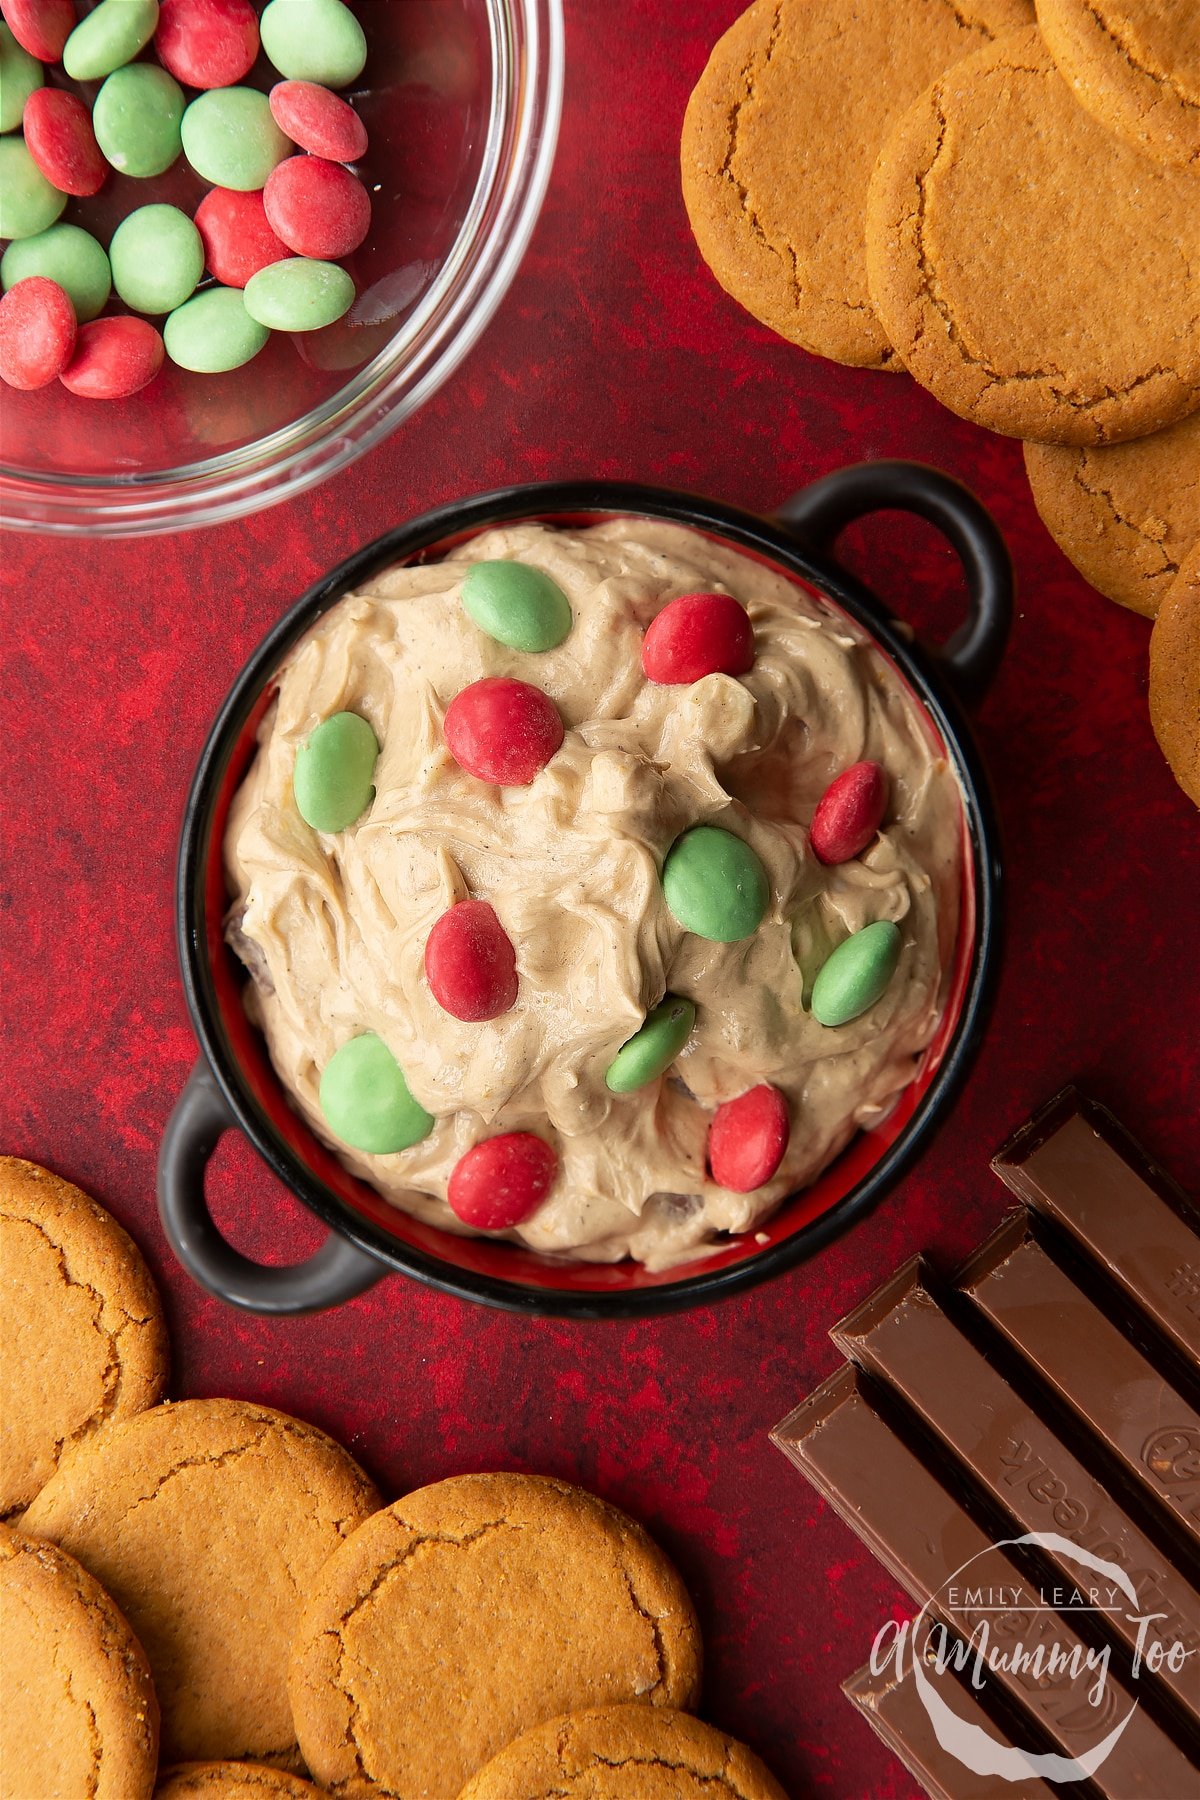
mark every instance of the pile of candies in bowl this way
{"type": "Point", "coordinates": [243, 241]}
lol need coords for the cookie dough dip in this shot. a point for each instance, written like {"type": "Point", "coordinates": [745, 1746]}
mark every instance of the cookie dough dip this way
{"type": "Point", "coordinates": [595, 887]}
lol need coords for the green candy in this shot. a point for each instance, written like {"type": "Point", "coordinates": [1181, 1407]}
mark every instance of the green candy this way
{"type": "Point", "coordinates": [298, 294]}
{"type": "Point", "coordinates": [334, 770]}
{"type": "Point", "coordinates": [715, 884]}
{"type": "Point", "coordinates": [213, 332]}
{"type": "Point", "coordinates": [517, 605]}
{"type": "Point", "coordinates": [28, 203]}
{"type": "Point", "coordinates": [653, 1048]}
{"type": "Point", "coordinates": [66, 254]}
{"type": "Point", "coordinates": [854, 977]}
{"type": "Point", "coordinates": [314, 40]}
{"type": "Point", "coordinates": [137, 118]}
{"type": "Point", "coordinates": [157, 258]}
{"type": "Point", "coordinates": [110, 35]}
{"type": "Point", "coordinates": [366, 1101]}
{"type": "Point", "coordinates": [20, 73]}
{"type": "Point", "coordinates": [230, 138]}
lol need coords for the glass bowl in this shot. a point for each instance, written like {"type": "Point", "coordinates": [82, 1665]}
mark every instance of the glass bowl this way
{"type": "Point", "coordinates": [461, 100]}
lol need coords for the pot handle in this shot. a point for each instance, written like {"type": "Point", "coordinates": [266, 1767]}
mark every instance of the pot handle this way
{"type": "Point", "coordinates": [819, 513]}
{"type": "Point", "coordinates": [337, 1271]}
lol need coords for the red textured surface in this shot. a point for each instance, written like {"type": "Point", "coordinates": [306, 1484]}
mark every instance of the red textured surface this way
{"type": "Point", "coordinates": [615, 354]}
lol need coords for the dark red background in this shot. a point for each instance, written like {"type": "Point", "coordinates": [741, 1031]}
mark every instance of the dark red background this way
{"type": "Point", "coordinates": [615, 354]}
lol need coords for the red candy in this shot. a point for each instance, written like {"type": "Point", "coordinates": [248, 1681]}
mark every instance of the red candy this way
{"type": "Point", "coordinates": [848, 813]}
{"type": "Point", "coordinates": [499, 1182]}
{"type": "Point", "coordinates": [698, 635]}
{"type": "Point", "coordinates": [237, 239]}
{"type": "Point", "coordinates": [40, 26]}
{"type": "Point", "coordinates": [37, 332]}
{"type": "Point", "coordinates": [317, 207]}
{"type": "Point", "coordinates": [59, 137]}
{"type": "Point", "coordinates": [113, 358]}
{"type": "Point", "coordinates": [470, 963]}
{"type": "Point", "coordinates": [502, 731]}
{"type": "Point", "coordinates": [318, 120]}
{"type": "Point", "coordinates": [207, 43]}
{"type": "Point", "coordinates": [747, 1139]}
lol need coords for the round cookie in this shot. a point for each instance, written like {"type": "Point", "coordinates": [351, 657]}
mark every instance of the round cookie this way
{"type": "Point", "coordinates": [231, 1781]}
{"type": "Point", "coordinates": [1135, 65]}
{"type": "Point", "coordinates": [77, 1298]}
{"type": "Point", "coordinates": [1033, 270]}
{"type": "Point", "coordinates": [79, 1713]}
{"type": "Point", "coordinates": [470, 1611]}
{"type": "Point", "coordinates": [780, 137]}
{"type": "Point", "coordinates": [1175, 676]}
{"type": "Point", "coordinates": [1125, 514]}
{"type": "Point", "coordinates": [624, 1753]}
{"type": "Point", "coordinates": [208, 1521]}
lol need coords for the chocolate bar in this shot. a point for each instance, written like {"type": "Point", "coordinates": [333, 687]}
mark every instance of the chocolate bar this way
{"type": "Point", "coordinates": [1091, 1365]}
{"type": "Point", "coordinates": [903, 1336]}
{"type": "Point", "coordinates": [1079, 1167]}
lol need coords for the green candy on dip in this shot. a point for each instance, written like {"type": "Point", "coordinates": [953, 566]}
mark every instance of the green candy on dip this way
{"type": "Point", "coordinates": [137, 119]}
{"type": "Point", "coordinates": [715, 884]}
{"type": "Point", "coordinates": [20, 74]}
{"type": "Point", "coordinates": [299, 293]}
{"type": "Point", "coordinates": [856, 975]}
{"type": "Point", "coordinates": [231, 139]}
{"type": "Point", "coordinates": [67, 254]}
{"type": "Point", "coordinates": [28, 203]}
{"type": "Point", "coordinates": [110, 35]}
{"type": "Point", "coordinates": [334, 772]}
{"type": "Point", "coordinates": [654, 1047]}
{"type": "Point", "coordinates": [314, 40]}
{"type": "Point", "coordinates": [213, 332]}
{"type": "Point", "coordinates": [157, 258]}
{"type": "Point", "coordinates": [366, 1102]}
{"type": "Point", "coordinates": [517, 605]}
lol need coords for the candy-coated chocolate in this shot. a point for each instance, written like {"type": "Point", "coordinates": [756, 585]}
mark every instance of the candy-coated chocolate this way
{"type": "Point", "coordinates": [366, 1102]}
{"type": "Point", "coordinates": [157, 259]}
{"type": "Point", "coordinates": [848, 813]}
{"type": "Point", "coordinates": [317, 207]}
{"type": "Point", "coordinates": [470, 963]}
{"type": "Point", "coordinates": [854, 977]}
{"type": "Point", "coordinates": [314, 40]}
{"type": "Point", "coordinates": [501, 1181]}
{"type": "Point", "coordinates": [517, 605]}
{"type": "Point", "coordinates": [653, 1048]}
{"type": "Point", "coordinates": [20, 76]}
{"type": "Point", "coordinates": [715, 884]}
{"type": "Point", "coordinates": [41, 26]}
{"type": "Point", "coordinates": [698, 635]}
{"type": "Point", "coordinates": [28, 203]}
{"type": "Point", "coordinates": [747, 1139]}
{"type": "Point", "coordinates": [502, 731]}
{"type": "Point", "coordinates": [113, 359]}
{"type": "Point", "coordinates": [137, 119]}
{"type": "Point", "coordinates": [334, 772]}
{"type": "Point", "coordinates": [60, 139]}
{"type": "Point", "coordinates": [66, 254]}
{"type": "Point", "coordinates": [213, 332]}
{"type": "Point", "coordinates": [230, 138]}
{"type": "Point", "coordinates": [37, 333]}
{"type": "Point", "coordinates": [238, 241]}
{"type": "Point", "coordinates": [318, 121]}
{"type": "Point", "coordinates": [109, 37]}
{"type": "Point", "coordinates": [299, 294]}
{"type": "Point", "coordinates": [207, 43]}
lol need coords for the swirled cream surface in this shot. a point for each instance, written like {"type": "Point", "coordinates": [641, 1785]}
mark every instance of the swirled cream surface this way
{"type": "Point", "coordinates": [333, 927]}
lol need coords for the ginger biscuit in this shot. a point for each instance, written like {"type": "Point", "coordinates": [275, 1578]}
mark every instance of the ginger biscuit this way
{"type": "Point", "coordinates": [231, 1781]}
{"type": "Point", "coordinates": [466, 1613]}
{"type": "Point", "coordinates": [78, 1300]}
{"type": "Point", "coordinates": [1125, 514]}
{"type": "Point", "coordinates": [79, 1713]}
{"type": "Point", "coordinates": [1175, 676]}
{"type": "Point", "coordinates": [1135, 65]}
{"type": "Point", "coordinates": [1034, 271]}
{"type": "Point", "coordinates": [208, 1521]}
{"type": "Point", "coordinates": [779, 140]}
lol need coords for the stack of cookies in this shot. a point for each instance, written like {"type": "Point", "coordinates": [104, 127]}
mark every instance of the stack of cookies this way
{"type": "Point", "coordinates": [207, 1599]}
{"type": "Point", "coordinates": [1007, 207]}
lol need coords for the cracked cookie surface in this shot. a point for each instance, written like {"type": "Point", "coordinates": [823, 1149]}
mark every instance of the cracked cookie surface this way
{"type": "Point", "coordinates": [79, 1713]}
{"type": "Point", "coordinates": [470, 1611]}
{"type": "Point", "coordinates": [208, 1521]}
{"type": "Point", "coordinates": [1125, 514]}
{"type": "Point", "coordinates": [1036, 273]}
{"type": "Point", "coordinates": [231, 1781]}
{"type": "Point", "coordinates": [779, 140]}
{"type": "Point", "coordinates": [77, 1298]}
{"type": "Point", "coordinates": [1135, 65]}
{"type": "Point", "coordinates": [1175, 677]}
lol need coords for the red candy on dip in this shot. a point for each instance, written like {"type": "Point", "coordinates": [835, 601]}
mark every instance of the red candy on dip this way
{"type": "Point", "coordinates": [499, 1182]}
{"type": "Point", "coordinates": [848, 813]}
{"type": "Point", "coordinates": [695, 636]}
{"type": "Point", "coordinates": [113, 358]}
{"type": "Point", "coordinates": [318, 208]}
{"type": "Point", "coordinates": [318, 120]}
{"type": "Point", "coordinates": [59, 137]}
{"type": "Point", "coordinates": [40, 26]}
{"type": "Point", "coordinates": [502, 731]}
{"type": "Point", "coordinates": [237, 239]}
{"type": "Point", "coordinates": [747, 1139]}
{"type": "Point", "coordinates": [470, 963]}
{"type": "Point", "coordinates": [37, 332]}
{"type": "Point", "coordinates": [207, 43]}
